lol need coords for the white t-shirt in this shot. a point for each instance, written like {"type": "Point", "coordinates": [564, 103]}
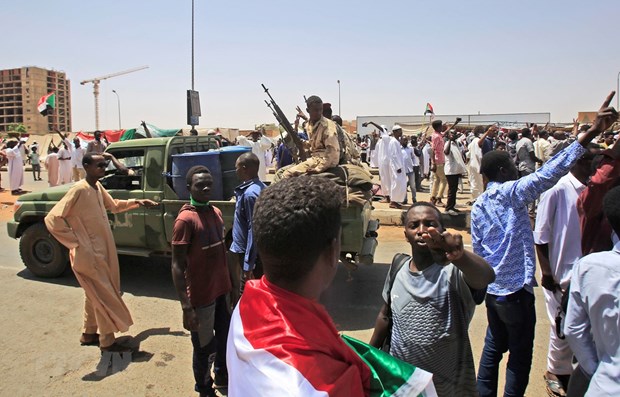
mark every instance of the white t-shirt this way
{"type": "Point", "coordinates": [76, 157]}
{"type": "Point", "coordinates": [475, 154]}
{"type": "Point", "coordinates": [557, 224]}
{"type": "Point", "coordinates": [454, 160]}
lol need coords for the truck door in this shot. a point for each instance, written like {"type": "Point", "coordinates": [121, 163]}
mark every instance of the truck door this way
{"type": "Point", "coordinates": [128, 227]}
{"type": "Point", "coordinates": [155, 189]}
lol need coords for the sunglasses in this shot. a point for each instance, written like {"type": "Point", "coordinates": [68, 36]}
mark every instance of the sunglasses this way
{"type": "Point", "coordinates": [103, 164]}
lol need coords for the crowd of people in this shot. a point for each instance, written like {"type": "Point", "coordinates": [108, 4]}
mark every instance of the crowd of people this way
{"type": "Point", "coordinates": [446, 156]}
{"type": "Point", "coordinates": [268, 335]}
{"type": "Point", "coordinates": [63, 162]}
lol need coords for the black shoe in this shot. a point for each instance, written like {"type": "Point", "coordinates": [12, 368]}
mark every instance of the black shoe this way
{"type": "Point", "coordinates": [210, 393]}
{"type": "Point", "coordinates": [221, 380]}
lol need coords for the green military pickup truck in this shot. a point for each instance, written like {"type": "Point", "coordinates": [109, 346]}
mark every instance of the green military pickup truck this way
{"type": "Point", "coordinates": [147, 232]}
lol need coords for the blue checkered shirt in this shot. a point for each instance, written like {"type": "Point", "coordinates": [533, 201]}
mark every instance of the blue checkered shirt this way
{"type": "Point", "coordinates": [500, 224]}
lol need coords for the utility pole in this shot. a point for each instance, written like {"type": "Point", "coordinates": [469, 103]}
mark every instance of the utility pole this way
{"type": "Point", "coordinates": [339, 108]}
{"type": "Point", "coordinates": [192, 47]}
{"type": "Point", "coordinates": [193, 100]}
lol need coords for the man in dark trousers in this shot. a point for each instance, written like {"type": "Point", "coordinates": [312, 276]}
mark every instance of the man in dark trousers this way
{"type": "Point", "coordinates": [202, 280]}
{"type": "Point", "coordinates": [502, 234]}
{"type": "Point", "coordinates": [243, 239]}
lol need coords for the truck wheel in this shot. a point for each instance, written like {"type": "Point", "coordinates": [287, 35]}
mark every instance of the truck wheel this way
{"type": "Point", "coordinates": [42, 254]}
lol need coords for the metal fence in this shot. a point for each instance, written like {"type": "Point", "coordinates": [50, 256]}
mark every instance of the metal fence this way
{"type": "Point", "coordinates": [417, 123]}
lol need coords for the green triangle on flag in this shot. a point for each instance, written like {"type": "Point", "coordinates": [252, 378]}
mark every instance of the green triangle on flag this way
{"type": "Point", "coordinates": [391, 377]}
{"type": "Point", "coordinates": [46, 104]}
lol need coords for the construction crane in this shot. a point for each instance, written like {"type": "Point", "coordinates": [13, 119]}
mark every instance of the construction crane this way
{"type": "Point", "coordinates": [96, 82]}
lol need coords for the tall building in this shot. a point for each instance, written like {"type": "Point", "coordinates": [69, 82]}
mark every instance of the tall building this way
{"type": "Point", "coordinates": [20, 90]}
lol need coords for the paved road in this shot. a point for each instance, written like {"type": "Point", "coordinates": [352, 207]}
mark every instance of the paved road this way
{"type": "Point", "coordinates": [40, 324]}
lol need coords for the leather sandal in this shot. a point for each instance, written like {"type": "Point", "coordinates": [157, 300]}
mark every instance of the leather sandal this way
{"type": "Point", "coordinates": [554, 387]}
{"type": "Point", "coordinates": [89, 340]}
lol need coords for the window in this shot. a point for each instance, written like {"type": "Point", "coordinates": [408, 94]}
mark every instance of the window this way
{"type": "Point", "coordinates": [131, 179]}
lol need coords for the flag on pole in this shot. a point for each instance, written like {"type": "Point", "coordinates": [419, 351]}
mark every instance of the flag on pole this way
{"type": "Point", "coordinates": [46, 104]}
{"type": "Point", "coordinates": [429, 109]}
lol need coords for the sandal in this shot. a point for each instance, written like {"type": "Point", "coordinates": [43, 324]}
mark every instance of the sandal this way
{"type": "Point", "coordinates": [89, 340]}
{"type": "Point", "coordinates": [554, 387]}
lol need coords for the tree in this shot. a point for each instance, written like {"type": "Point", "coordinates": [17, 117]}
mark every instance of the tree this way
{"type": "Point", "coordinates": [19, 128]}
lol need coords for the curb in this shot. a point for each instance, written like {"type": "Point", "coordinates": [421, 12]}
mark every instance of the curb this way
{"type": "Point", "coordinates": [392, 217]}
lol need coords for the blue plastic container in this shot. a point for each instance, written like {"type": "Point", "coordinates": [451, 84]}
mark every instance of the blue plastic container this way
{"type": "Point", "coordinates": [229, 155]}
{"type": "Point", "coordinates": [229, 182]}
{"type": "Point", "coordinates": [181, 163]}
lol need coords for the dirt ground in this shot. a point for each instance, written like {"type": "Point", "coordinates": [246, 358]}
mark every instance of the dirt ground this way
{"type": "Point", "coordinates": [6, 205]}
{"type": "Point", "coordinates": [40, 325]}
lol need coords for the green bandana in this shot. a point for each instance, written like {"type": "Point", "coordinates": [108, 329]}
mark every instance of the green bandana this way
{"type": "Point", "coordinates": [197, 203]}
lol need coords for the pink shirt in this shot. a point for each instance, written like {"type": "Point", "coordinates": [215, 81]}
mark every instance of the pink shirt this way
{"type": "Point", "coordinates": [437, 144]}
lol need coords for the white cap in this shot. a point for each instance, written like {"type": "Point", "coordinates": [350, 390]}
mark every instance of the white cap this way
{"type": "Point", "coordinates": [211, 132]}
{"type": "Point", "coordinates": [396, 127]}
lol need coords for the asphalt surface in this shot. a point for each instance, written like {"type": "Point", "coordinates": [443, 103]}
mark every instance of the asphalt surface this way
{"type": "Point", "coordinates": [40, 322]}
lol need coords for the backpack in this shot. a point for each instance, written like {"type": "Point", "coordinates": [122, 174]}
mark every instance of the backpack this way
{"type": "Point", "coordinates": [397, 263]}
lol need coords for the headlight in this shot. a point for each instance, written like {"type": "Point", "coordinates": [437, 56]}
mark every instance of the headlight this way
{"type": "Point", "coordinates": [16, 206]}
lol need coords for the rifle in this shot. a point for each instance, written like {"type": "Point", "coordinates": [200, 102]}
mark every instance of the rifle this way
{"type": "Point", "coordinates": [292, 141]}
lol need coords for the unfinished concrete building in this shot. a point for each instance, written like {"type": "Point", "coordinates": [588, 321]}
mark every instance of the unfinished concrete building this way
{"type": "Point", "coordinates": [20, 90]}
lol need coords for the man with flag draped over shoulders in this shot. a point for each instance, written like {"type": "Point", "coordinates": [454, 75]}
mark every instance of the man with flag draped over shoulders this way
{"type": "Point", "coordinates": [282, 342]}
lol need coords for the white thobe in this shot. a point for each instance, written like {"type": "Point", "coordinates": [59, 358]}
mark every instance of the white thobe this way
{"type": "Point", "coordinates": [398, 180]}
{"type": "Point", "coordinates": [382, 161]}
{"type": "Point", "coordinates": [473, 168]}
{"type": "Point", "coordinates": [64, 166]}
{"type": "Point", "coordinates": [426, 159]}
{"type": "Point", "coordinates": [557, 224]}
{"type": "Point", "coordinates": [15, 167]}
{"type": "Point", "coordinates": [259, 148]}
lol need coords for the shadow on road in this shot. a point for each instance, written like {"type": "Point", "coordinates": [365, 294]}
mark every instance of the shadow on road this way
{"type": "Point", "coordinates": [112, 363]}
{"type": "Point", "coordinates": [139, 276]}
{"type": "Point", "coordinates": [354, 303]}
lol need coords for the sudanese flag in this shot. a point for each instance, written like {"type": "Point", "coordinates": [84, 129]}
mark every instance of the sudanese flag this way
{"type": "Point", "coordinates": [46, 104]}
{"type": "Point", "coordinates": [282, 344]}
{"type": "Point", "coordinates": [429, 109]}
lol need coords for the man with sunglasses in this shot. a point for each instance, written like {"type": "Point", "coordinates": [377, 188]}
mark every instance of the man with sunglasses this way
{"type": "Point", "coordinates": [79, 221]}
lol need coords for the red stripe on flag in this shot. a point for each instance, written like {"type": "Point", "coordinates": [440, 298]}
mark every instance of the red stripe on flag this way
{"type": "Point", "coordinates": [299, 332]}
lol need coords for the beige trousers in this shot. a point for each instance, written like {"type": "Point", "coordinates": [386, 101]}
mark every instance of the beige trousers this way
{"type": "Point", "coordinates": [78, 174]}
{"type": "Point", "coordinates": [439, 182]}
{"type": "Point", "coordinates": [300, 168]}
{"type": "Point", "coordinates": [90, 325]}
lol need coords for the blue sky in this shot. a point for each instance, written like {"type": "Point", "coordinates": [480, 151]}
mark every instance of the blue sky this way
{"type": "Point", "coordinates": [391, 56]}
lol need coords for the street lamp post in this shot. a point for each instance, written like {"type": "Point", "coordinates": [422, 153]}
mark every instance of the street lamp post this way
{"type": "Point", "coordinates": [118, 101]}
{"type": "Point", "coordinates": [339, 109]}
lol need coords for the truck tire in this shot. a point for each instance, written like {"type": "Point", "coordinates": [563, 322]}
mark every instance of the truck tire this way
{"type": "Point", "coordinates": [42, 254]}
